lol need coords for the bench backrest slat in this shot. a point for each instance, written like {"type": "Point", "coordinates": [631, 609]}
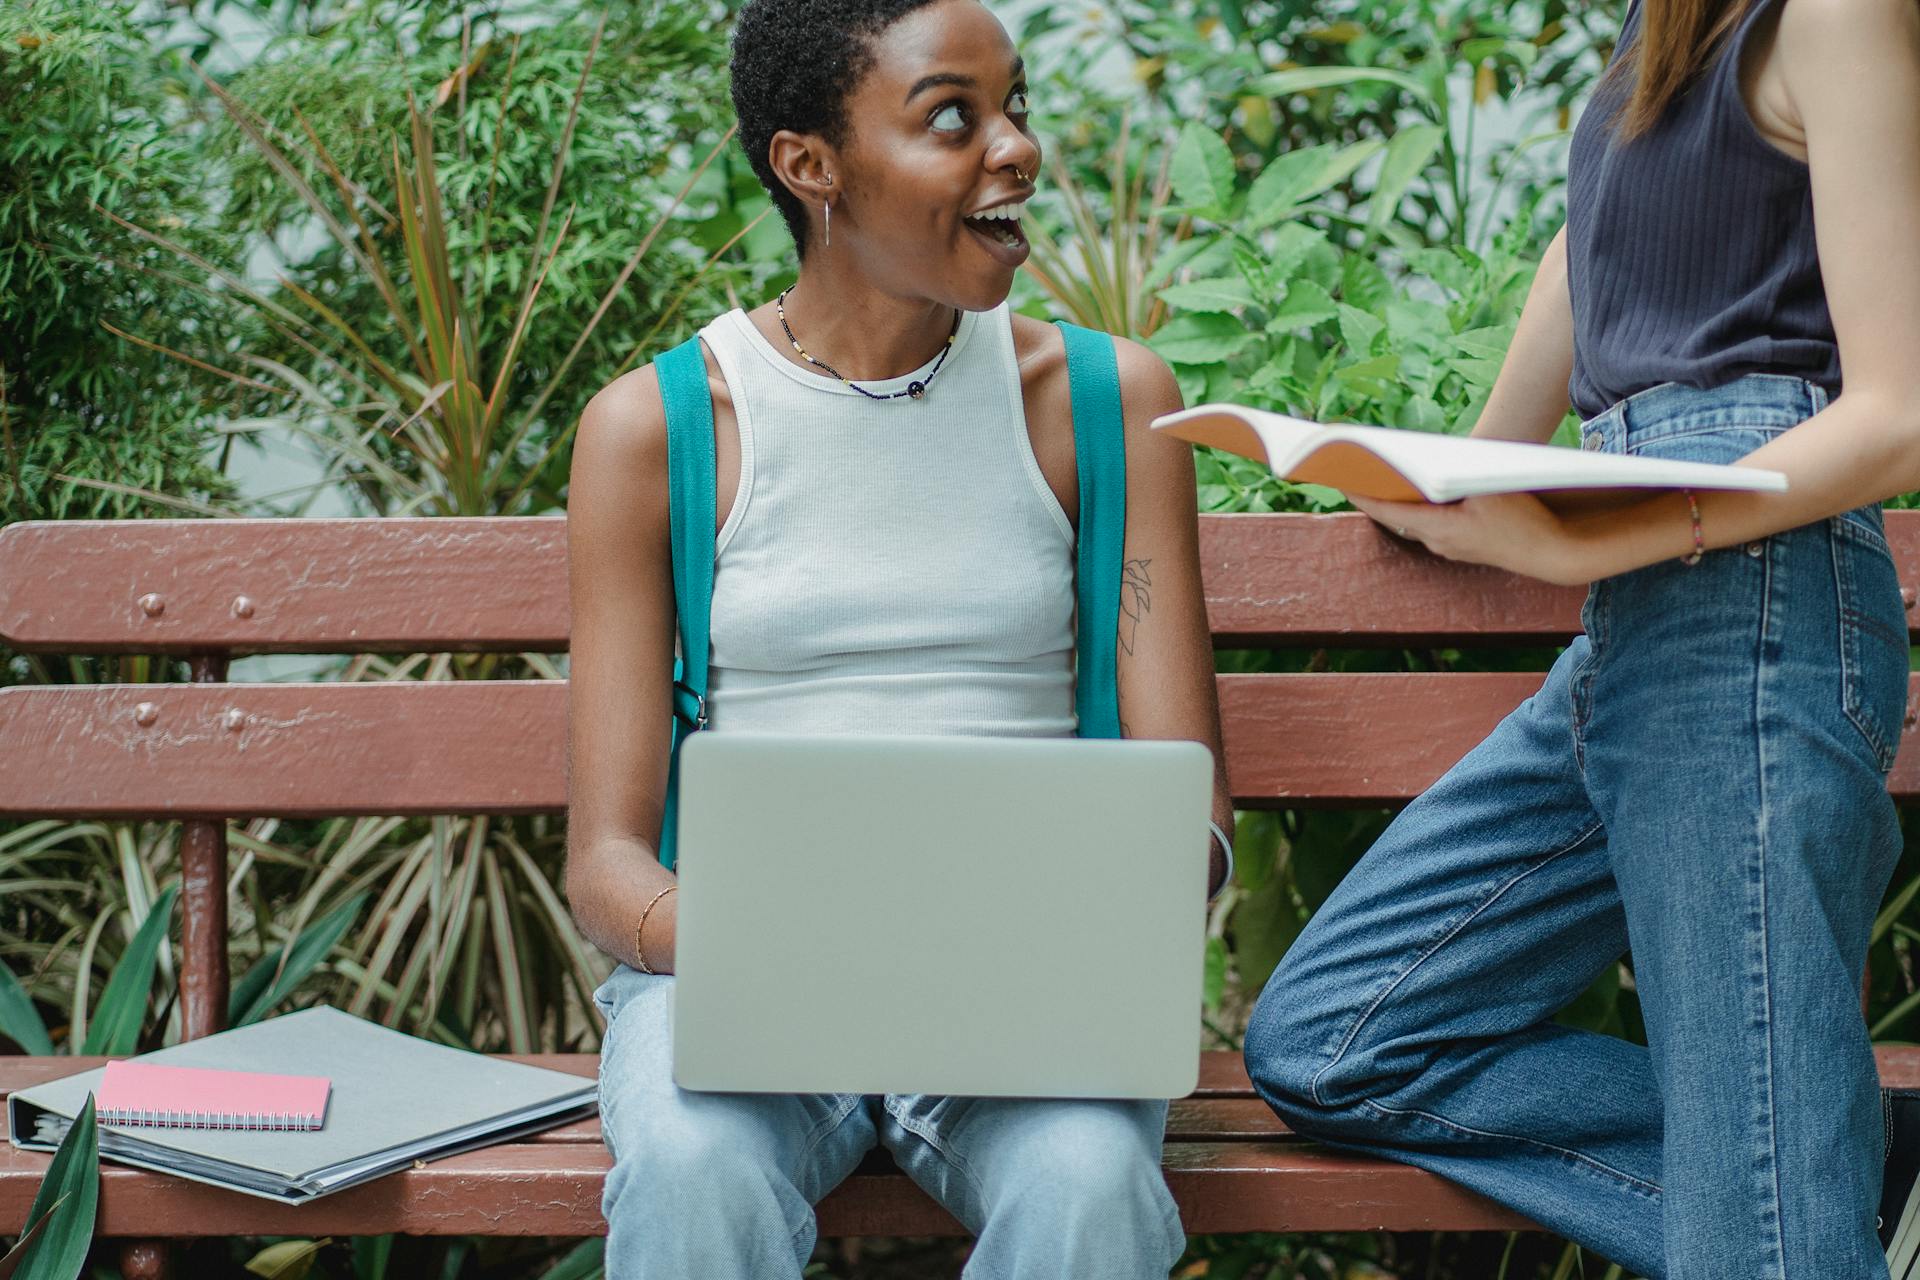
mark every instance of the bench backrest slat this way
{"type": "Point", "coordinates": [491, 584]}
{"type": "Point", "coordinates": [285, 586]}
{"type": "Point", "coordinates": [498, 746]}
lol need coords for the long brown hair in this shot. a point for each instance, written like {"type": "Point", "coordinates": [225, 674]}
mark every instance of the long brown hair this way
{"type": "Point", "coordinates": [1677, 39]}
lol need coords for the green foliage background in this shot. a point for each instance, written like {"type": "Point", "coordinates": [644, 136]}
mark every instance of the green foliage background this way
{"type": "Point", "coordinates": [90, 116]}
{"type": "Point", "coordinates": [502, 96]}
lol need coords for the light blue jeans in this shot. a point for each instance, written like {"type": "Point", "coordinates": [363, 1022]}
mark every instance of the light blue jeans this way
{"type": "Point", "coordinates": [1700, 779]}
{"type": "Point", "coordinates": [722, 1185]}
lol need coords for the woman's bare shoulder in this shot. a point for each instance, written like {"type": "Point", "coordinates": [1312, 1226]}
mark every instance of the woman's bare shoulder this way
{"type": "Point", "coordinates": [623, 428]}
{"type": "Point", "coordinates": [1843, 47]}
{"type": "Point", "coordinates": [1145, 379]}
{"type": "Point", "coordinates": [1038, 346]}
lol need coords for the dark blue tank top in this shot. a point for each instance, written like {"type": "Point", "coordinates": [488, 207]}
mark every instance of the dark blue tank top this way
{"type": "Point", "coordinates": [1690, 249]}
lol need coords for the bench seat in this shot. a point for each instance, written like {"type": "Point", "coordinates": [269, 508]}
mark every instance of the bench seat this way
{"type": "Point", "coordinates": [1232, 1165]}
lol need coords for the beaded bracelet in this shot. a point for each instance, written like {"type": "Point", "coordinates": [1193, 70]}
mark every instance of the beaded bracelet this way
{"type": "Point", "coordinates": [1699, 541]}
{"type": "Point", "coordinates": [640, 930]}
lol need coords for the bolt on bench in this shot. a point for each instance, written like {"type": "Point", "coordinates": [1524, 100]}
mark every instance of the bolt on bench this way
{"type": "Point", "coordinates": [208, 751]}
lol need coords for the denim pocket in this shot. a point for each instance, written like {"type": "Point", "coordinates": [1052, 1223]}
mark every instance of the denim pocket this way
{"type": "Point", "coordinates": [1873, 632]}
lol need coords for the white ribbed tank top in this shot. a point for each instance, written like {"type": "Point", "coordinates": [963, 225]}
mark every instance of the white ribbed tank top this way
{"type": "Point", "coordinates": [889, 567]}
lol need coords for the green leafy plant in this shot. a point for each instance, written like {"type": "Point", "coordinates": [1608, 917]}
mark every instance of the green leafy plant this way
{"type": "Point", "coordinates": [417, 374]}
{"type": "Point", "coordinates": [1102, 268]}
{"type": "Point", "coordinates": [480, 230]}
{"type": "Point", "coordinates": [418, 353]}
{"type": "Point", "coordinates": [65, 886]}
{"type": "Point", "coordinates": [1275, 77]}
{"type": "Point", "coordinates": [277, 974]}
{"type": "Point", "coordinates": [424, 352]}
{"type": "Point", "coordinates": [1285, 305]}
{"type": "Point", "coordinates": [59, 1227]}
{"type": "Point", "coordinates": [92, 425]}
{"type": "Point", "coordinates": [451, 927]}
{"type": "Point", "coordinates": [18, 1020]}
{"type": "Point", "coordinates": [123, 1005]}
{"type": "Point", "coordinates": [586, 1261]}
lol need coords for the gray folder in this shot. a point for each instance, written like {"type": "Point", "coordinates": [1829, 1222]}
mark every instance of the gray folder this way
{"type": "Point", "coordinates": [396, 1099]}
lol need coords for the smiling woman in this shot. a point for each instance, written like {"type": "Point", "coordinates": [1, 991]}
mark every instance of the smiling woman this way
{"type": "Point", "coordinates": [896, 524]}
{"type": "Point", "coordinates": [925, 174]}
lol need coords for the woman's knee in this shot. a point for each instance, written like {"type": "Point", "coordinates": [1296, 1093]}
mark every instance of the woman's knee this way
{"type": "Point", "coordinates": [668, 1153]}
{"type": "Point", "coordinates": [1082, 1188]}
{"type": "Point", "coordinates": [1305, 1058]}
{"type": "Point", "coordinates": [1080, 1157]}
{"type": "Point", "coordinates": [1283, 1042]}
{"type": "Point", "coordinates": [690, 1198]}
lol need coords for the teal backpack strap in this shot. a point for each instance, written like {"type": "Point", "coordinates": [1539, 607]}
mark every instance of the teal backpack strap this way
{"type": "Point", "coordinates": [1100, 456]}
{"type": "Point", "coordinates": [690, 501]}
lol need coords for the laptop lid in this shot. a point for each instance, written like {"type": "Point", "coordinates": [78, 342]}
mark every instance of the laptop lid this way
{"type": "Point", "coordinates": [943, 915]}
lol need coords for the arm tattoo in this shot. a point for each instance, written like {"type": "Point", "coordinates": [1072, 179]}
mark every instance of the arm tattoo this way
{"type": "Point", "coordinates": [1136, 600]}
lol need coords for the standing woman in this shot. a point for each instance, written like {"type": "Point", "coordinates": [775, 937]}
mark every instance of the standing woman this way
{"type": "Point", "coordinates": [1702, 776]}
{"type": "Point", "coordinates": [895, 554]}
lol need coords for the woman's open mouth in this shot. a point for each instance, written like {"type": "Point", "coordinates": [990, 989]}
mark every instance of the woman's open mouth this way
{"type": "Point", "coordinates": [998, 230]}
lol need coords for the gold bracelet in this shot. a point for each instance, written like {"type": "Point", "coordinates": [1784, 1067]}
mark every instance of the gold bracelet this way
{"type": "Point", "coordinates": [1699, 542]}
{"type": "Point", "coordinates": [640, 930]}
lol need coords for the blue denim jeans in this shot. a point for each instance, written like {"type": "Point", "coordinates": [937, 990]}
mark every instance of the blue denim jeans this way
{"type": "Point", "coordinates": [1700, 779]}
{"type": "Point", "coordinates": [722, 1185]}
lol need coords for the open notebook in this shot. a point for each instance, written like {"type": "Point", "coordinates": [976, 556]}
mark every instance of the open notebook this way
{"type": "Point", "coordinates": [396, 1099]}
{"type": "Point", "coordinates": [1414, 466]}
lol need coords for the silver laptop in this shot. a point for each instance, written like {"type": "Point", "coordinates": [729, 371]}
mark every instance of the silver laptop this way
{"type": "Point", "coordinates": [944, 915]}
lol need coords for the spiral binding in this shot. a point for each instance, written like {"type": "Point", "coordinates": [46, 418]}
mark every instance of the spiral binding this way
{"type": "Point", "coordinates": [209, 1119]}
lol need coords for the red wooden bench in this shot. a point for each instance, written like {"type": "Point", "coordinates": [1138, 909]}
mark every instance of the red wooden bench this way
{"type": "Point", "coordinates": [208, 751]}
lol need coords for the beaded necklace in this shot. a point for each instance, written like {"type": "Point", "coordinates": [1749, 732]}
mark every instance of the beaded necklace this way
{"type": "Point", "coordinates": [915, 390]}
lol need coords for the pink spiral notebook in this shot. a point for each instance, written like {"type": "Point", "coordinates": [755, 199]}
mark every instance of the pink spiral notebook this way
{"type": "Point", "coordinates": [202, 1098]}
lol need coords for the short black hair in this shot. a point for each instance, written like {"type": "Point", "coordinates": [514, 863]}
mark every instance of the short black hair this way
{"type": "Point", "coordinates": [794, 63]}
